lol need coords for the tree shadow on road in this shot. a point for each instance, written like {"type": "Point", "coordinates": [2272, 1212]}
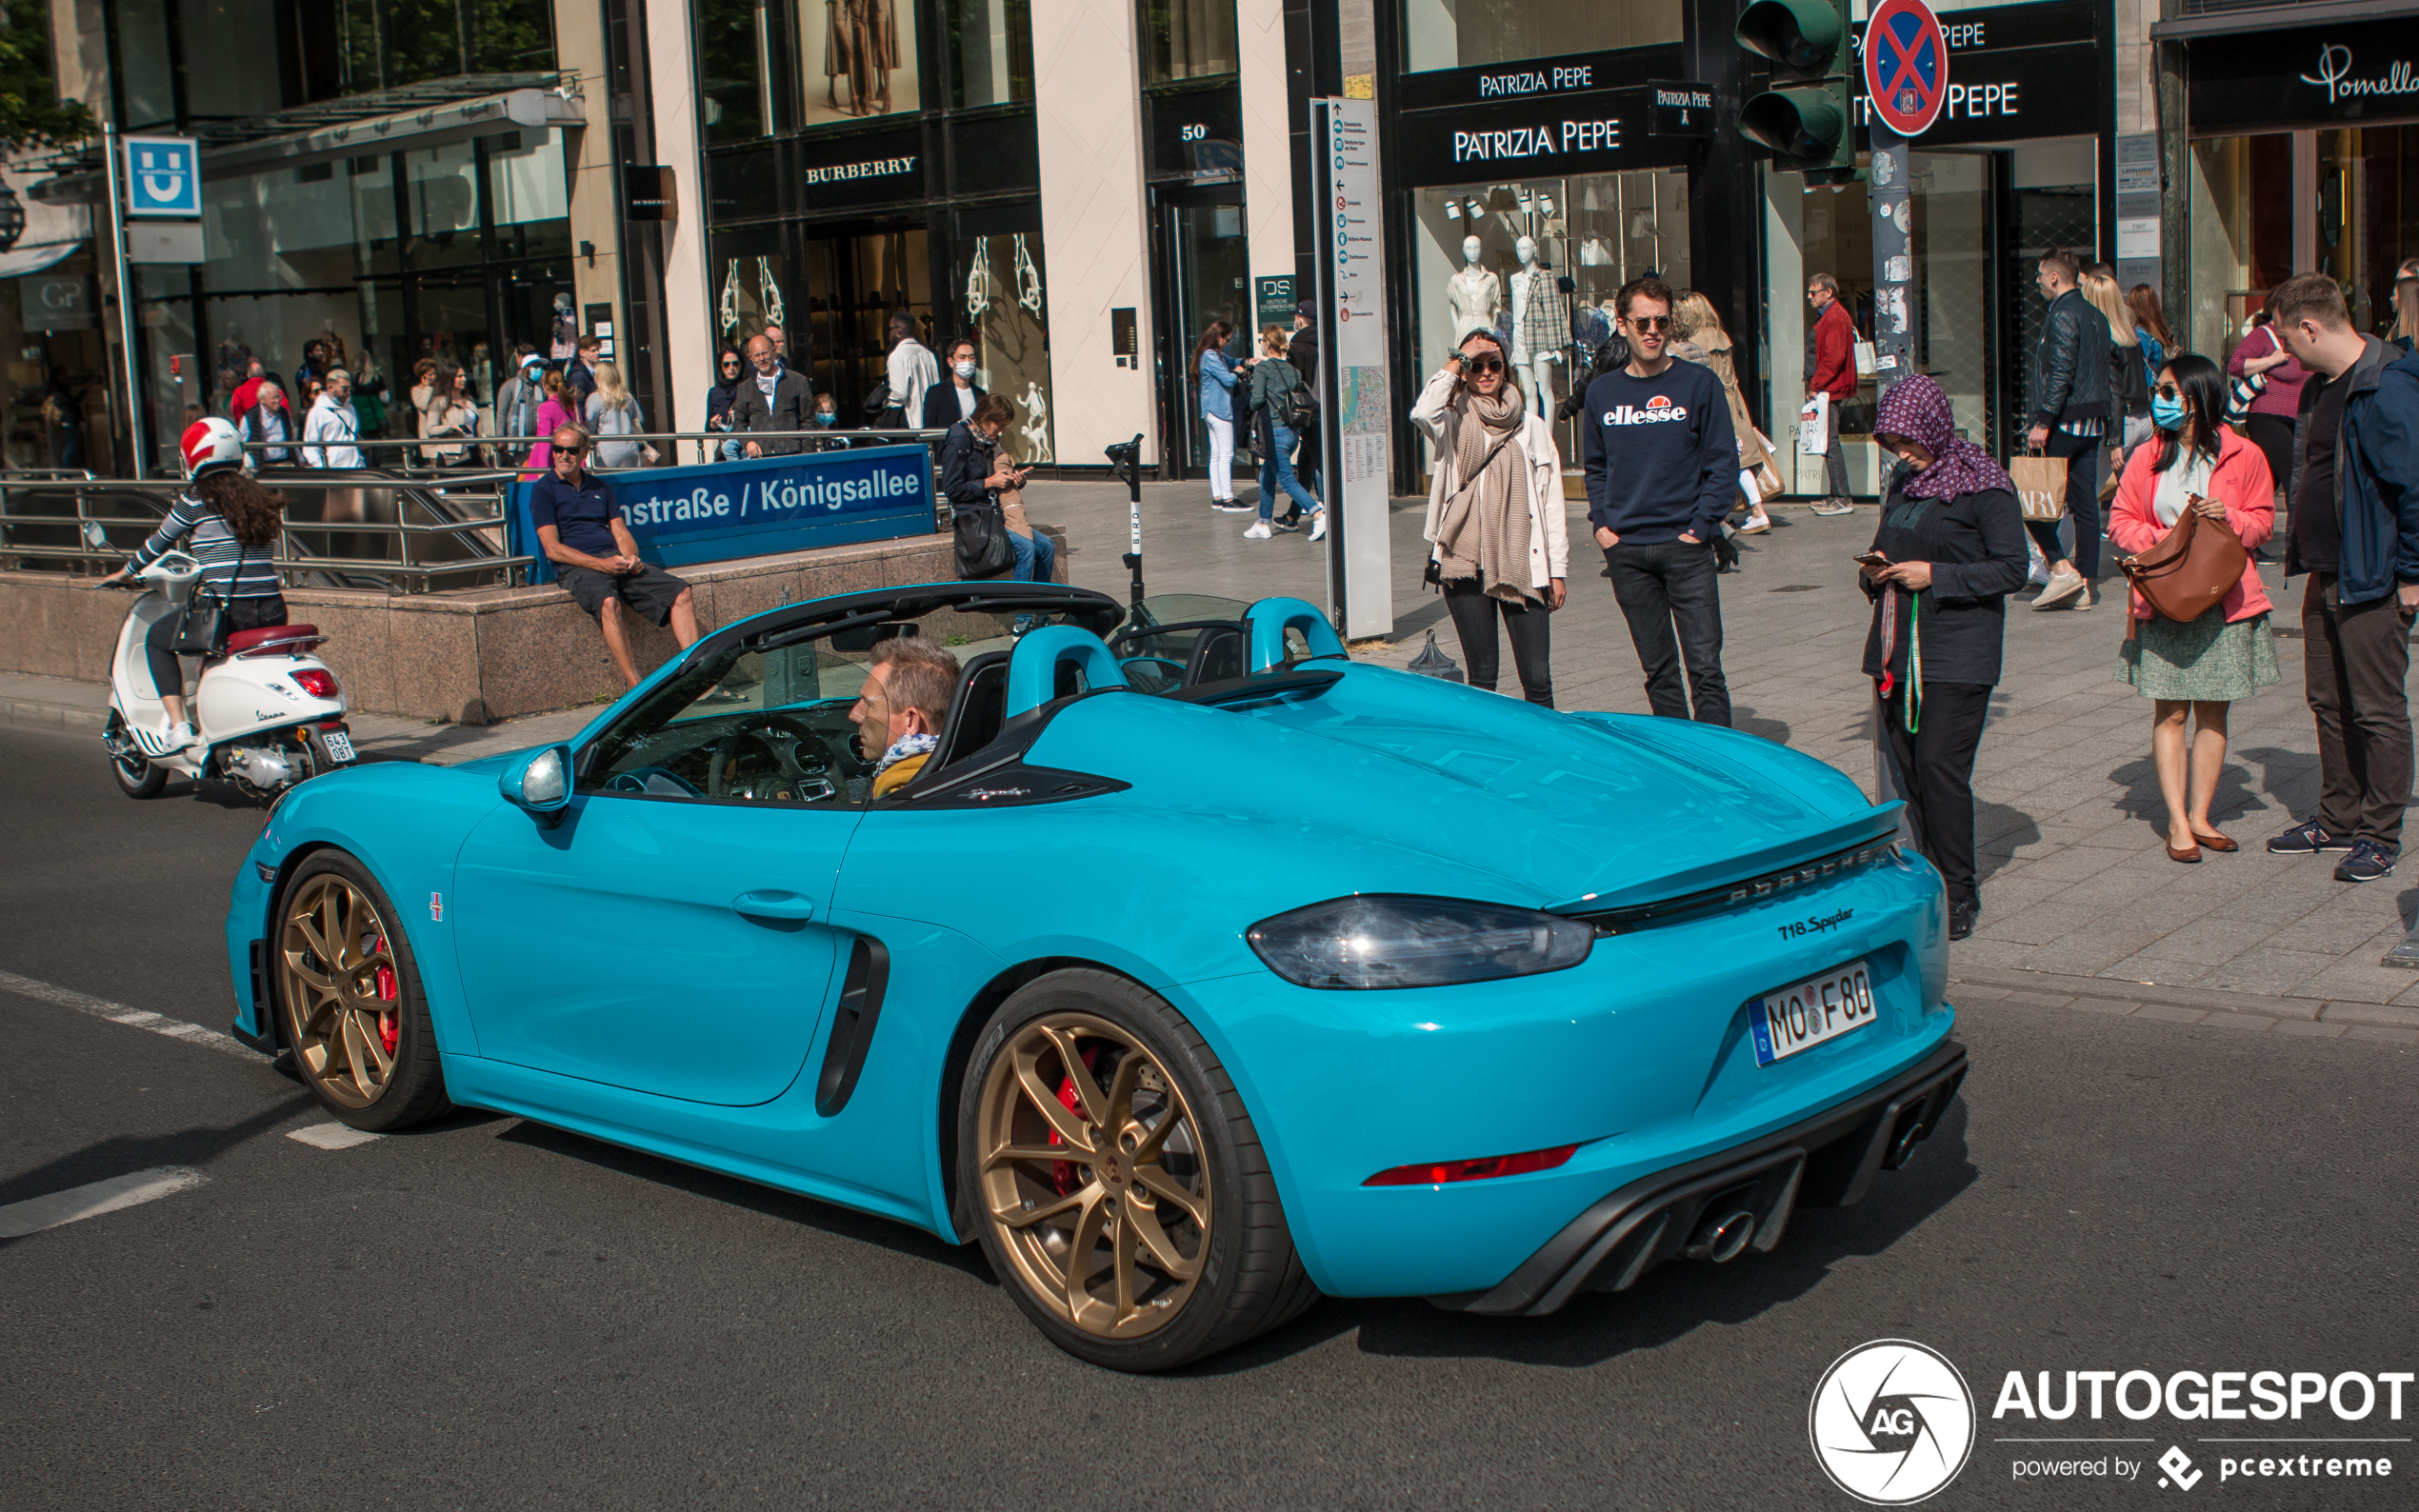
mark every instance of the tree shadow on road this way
{"type": "Point", "coordinates": [840, 1223]}
{"type": "Point", "coordinates": [1669, 1304]}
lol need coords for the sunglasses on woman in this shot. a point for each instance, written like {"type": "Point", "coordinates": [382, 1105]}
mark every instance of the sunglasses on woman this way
{"type": "Point", "coordinates": [2170, 391]}
{"type": "Point", "coordinates": [1484, 363]}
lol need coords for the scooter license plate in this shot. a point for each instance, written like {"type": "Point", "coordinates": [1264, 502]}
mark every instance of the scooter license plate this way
{"type": "Point", "coordinates": [339, 743]}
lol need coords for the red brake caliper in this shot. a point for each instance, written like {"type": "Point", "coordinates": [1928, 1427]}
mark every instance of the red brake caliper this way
{"type": "Point", "coordinates": [389, 1020]}
{"type": "Point", "coordinates": [1062, 1173]}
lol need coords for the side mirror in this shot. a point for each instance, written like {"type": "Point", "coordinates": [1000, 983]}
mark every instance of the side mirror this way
{"type": "Point", "coordinates": [540, 782]}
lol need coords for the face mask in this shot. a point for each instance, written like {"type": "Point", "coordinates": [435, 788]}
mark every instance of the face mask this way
{"type": "Point", "coordinates": [824, 417]}
{"type": "Point", "coordinates": [964, 369]}
{"type": "Point", "coordinates": [2168, 414]}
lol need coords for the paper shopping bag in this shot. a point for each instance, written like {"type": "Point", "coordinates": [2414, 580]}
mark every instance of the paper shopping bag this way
{"type": "Point", "coordinates": [1814, 426]}
{"type": "Point", "coordinates": [2041, 486]}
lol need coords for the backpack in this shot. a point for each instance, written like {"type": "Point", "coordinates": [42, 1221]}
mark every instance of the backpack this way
{"type": "Point", "coordinates": [2128, 386]}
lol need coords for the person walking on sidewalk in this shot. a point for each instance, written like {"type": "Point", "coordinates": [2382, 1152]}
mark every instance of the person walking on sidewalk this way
{"type": "Point", "coordinates": [2070, 416]}
{"type": "Point", "coordinates": [1277, 394]}
{"type": "Point", "coordinates": [1215, 377]}
{"type": "Point", "coordinates": [2194, 670]}
{"type": "Point", "coordinates": [1500, 545]}
{"type": "Point", "coordinates": [1951, 548]}
{"type": "Point", "coordinates": [1661, 467]}
{"type": "Point", "coordinates": [1698, 337]}
{"type": "Point", "coordinates": [2272, 411]}
{"type": "Point", "coordinates": [1830, 369]}
{"type": "Point", "coordinates": [2356, 533]}
{"type": "Point", "coordinates": [1302, 351]}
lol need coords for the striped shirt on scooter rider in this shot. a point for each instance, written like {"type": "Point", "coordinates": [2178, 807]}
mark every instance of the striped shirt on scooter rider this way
{"type": "Point", "coordinates": [233, 570]}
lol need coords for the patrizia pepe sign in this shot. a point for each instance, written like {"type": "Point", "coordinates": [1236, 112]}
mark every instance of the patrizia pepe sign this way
{"type": "Point", "coordinates": [2321, 76]}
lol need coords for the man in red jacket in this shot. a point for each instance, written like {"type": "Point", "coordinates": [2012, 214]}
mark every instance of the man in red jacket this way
{"type": "Point", "coordinates": [1830, 369]}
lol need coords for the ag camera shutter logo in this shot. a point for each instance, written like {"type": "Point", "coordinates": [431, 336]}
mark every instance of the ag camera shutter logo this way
{"type": "Point", "coordinates": [1892, 1422]}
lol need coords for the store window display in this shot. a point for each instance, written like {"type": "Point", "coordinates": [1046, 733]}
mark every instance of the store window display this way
{"type": "Point", "coordinates": [1004, 317]}
{"type": "Point", "coordinates": [1538, 262]}
{"type": "Point", "coordinates": [858, 59]}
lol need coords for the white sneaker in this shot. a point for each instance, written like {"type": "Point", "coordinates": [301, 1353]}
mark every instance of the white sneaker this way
{"type": "Point", "coordinates": [1318, 527]}
{"type": "Point", "coordinates": [181, 736]}
{"type": "Point", "coordinates": [1259, 531]}
{"type": "Point", "coordinates": [2063, 585]}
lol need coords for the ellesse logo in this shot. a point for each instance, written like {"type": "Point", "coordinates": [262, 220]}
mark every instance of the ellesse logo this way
{"type": "Point", "coordinates": [1658, 409]}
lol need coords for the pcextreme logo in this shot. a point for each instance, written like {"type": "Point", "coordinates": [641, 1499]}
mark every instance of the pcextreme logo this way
{"type": "Point", "coordinates": [1658, 409]}
{"type": "Point", "coordinates": [1892, 1422]}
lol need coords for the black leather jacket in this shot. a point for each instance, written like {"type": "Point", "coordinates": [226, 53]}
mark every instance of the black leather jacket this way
{"type": "Point", "coordinates": [2071, 367]}
{"type": "Point", "coordinates": [967, 459]}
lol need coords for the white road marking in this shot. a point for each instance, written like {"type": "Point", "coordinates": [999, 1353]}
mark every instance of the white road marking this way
{"type": "Point", "coordinates": [120, 1013]}
{"type": "Point", "coordinates": [37, 1213]}
{"type": "Point", "coordinates": [332, 1135]}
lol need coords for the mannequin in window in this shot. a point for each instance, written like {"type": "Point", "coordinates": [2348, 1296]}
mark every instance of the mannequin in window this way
{"type": "Point", "coordinates": [1539, 329]}
{"type": "Point", "coordinates": [860, 41]}
{"type": "Point", "coordinates": [1475, 293]}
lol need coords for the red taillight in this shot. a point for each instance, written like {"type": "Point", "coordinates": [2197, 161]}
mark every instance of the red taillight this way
{"type": "Point", "coordinates": [1437, 1173]}
{"type": "Point", "coordinates": [316, 683]}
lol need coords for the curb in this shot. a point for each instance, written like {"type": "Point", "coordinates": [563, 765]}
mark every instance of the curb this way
{"type": "Point", "coordinates": [72, 719]}
{"type": "Point", "coordinates": [2185, 1004]}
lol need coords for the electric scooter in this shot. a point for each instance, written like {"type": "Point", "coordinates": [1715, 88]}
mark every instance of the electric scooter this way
{"type": "Point", "coordinates": [268, 711]}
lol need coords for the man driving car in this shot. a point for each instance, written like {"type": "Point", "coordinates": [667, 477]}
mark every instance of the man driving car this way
{"type": "Point", "coordinates": [900, 709]}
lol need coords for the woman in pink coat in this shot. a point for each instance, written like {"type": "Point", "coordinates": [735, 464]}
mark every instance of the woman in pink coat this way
{"type": "Point", "coordinates": [2195, 669]}
{"type": "Point", "coordinates": [552, 416]}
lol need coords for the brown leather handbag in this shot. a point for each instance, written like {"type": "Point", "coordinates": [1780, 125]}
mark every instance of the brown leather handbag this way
{"type": "Point", "coordinates": [2190, 570]}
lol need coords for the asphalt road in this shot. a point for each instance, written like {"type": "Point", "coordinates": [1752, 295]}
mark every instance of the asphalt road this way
{"type": "Point", "coordinates": [490, 1313]}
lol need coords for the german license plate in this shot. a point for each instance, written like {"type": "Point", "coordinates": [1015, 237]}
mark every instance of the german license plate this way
{"type": "Point", "coordinates": [1808, 1013]}
{"type": "Point", "coordinates": [339, 743]}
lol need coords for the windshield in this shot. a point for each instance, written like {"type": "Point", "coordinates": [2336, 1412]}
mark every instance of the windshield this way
{"type": "Point", "coordinates": [769, 725]}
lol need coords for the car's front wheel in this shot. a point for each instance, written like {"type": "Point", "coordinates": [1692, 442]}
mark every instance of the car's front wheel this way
{"type": "Point", "coordinates": [1117, 1184]}
{"type": "Point", "coordinates": [355, 1017]}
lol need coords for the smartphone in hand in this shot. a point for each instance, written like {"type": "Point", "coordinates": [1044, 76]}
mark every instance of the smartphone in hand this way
{"type": "Point", "coordinates": [1871, 559]}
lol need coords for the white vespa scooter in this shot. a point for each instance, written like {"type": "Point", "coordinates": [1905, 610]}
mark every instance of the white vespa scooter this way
{"type": "Point", "coordinates": [268, 712]}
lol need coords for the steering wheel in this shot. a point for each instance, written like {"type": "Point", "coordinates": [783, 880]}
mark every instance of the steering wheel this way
{"type": "Point", "coordinates": [726, 758]}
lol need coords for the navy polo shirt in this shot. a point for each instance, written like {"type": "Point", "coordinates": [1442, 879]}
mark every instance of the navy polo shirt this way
{"type": "Point", "coordinates": [582, 517]}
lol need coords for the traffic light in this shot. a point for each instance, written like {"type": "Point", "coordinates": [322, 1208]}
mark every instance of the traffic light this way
{"type": "Point", "coordinates": [1810, 125]}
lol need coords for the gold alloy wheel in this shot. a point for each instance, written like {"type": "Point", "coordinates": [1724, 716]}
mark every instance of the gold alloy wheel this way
{"type": "Point", "coordinates": [1094, 1176]}
{"type": "Point", "coordinates": [342, 1000]}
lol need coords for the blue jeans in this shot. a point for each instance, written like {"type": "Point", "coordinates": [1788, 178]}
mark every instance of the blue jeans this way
{"type": "Point", "coordinates": [1035, 557]}
{"type": "Point", "coordinates": [1276, 471]}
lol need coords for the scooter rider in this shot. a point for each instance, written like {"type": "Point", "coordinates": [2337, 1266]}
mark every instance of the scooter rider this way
{"type": "Point", "coordinates": [232, 521]}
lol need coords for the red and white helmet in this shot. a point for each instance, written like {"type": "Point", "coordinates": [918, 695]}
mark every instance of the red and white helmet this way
{"type": "Point", "coordinates": [211, 446]}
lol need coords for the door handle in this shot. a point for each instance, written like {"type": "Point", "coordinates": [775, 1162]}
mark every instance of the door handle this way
{"type": "Point", "coordinates": [771, 904]}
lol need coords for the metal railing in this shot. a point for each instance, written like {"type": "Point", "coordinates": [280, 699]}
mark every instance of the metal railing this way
{"type": "Point", "coordinates": [78, 521]}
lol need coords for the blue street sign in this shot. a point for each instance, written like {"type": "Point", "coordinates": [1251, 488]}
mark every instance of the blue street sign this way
{"type": "Point", "coordinates": [163, 177]}
{"type": "Point", "coordinates": [723, 511]}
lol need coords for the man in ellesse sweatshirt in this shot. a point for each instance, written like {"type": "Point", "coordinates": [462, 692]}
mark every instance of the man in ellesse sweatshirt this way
{"type": "Point", "coordinates": [1662, 465]}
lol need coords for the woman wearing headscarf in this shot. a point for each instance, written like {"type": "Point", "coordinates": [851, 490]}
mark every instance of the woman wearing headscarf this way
{"type": "Point", "coordinates": [1950, 550]}
{"type": "Point", "coordinates": [2195, 670]}
{"type": "Point", "coordinates": [1501, 547]}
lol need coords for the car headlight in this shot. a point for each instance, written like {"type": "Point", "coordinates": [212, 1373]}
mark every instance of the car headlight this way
{"type": "Point", "coordinates": [1393, 941]}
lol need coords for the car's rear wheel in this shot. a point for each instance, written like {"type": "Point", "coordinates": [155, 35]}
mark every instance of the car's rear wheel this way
{"type": "Point", "coordinates": [1117, 1184]}
{"type": "Point", "coordinates": [355, 1017]}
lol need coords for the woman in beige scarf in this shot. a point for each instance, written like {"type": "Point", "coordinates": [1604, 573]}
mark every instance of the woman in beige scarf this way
{"type": "Point", "coordinates": [1500, 545]}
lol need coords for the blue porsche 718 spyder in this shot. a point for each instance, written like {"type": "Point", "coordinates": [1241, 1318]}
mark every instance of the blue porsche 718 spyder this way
{"type": "Point", "coordinates": [1199, 970]}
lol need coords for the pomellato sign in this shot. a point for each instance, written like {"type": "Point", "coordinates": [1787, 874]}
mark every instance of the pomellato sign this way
{"type": "Point", "coordinates": [2265, 81]}
{"type": "Point", "coordinates": [2336, 77]}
